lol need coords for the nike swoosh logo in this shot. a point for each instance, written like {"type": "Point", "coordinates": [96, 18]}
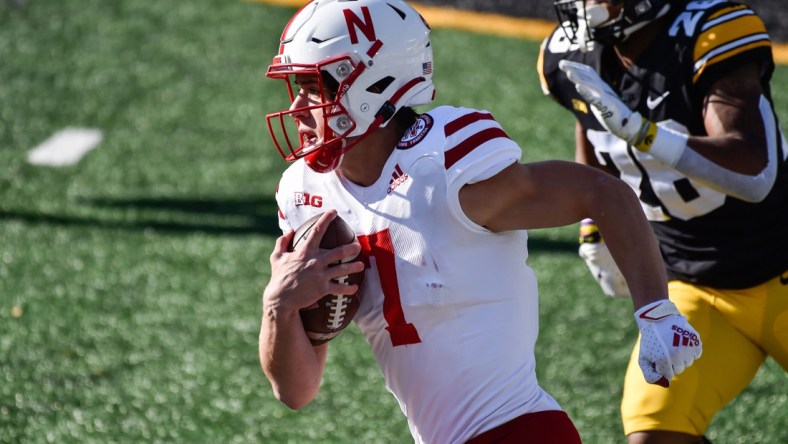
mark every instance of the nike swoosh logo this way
{"type": "Point", "coordinates": [653, 103]}
{"type": "Point", "coordinates": [645, 315]}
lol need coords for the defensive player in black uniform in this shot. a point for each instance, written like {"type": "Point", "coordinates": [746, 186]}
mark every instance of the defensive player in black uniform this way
{"type": "Point", "coordinates": [673, 97]}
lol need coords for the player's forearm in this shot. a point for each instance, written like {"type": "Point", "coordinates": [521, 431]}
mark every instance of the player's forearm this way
{"type": "Point", "coordinates": [713, 162]}
{"type": "Point", "coordinates": [291, 364]}
{"type": "Point", "coordinates": [742, 167]}
{"type": "Point", "coordinates": [736, 152]}
{"type": "Point", "coordinates": [731, 111]}
{"type": "Point", "coordinates": [630, 239]}
{"type": "Point", "coordinates": [584, 150]}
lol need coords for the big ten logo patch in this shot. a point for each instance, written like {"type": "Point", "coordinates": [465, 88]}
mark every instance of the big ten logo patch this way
{"type": "Point", "coordinates": [307, 199]}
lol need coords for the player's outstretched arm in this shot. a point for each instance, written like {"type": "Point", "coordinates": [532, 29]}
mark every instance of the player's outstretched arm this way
{"type": "Point", "coordinates": [592, 248]}
{"type": "Point", "coordinates": [557, 193]}
{"type": "Point", "coordinates": [298, 279]}
{"type": "Point", "coordinates": [739, 155]}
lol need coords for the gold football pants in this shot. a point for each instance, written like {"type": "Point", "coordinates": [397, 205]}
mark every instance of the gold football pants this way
{"type": "Point", "coordinates": [739, 328]}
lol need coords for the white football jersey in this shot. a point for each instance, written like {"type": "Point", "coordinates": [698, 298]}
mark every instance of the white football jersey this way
{"type": "Point", "coordinates": [449, 308]}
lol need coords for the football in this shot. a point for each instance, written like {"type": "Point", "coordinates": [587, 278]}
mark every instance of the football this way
{"type": "Point", "coordinates": [332, 313]}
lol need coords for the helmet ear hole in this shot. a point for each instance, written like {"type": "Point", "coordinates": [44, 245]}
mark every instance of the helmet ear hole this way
{"type": "Point", "coordinates": [381, 85]}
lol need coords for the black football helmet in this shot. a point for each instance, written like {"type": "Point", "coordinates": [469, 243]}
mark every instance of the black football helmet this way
{"type": "Point", "coordinates": [586, 23]}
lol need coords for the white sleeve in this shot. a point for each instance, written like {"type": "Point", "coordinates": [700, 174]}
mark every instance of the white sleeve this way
{"type": "Point", "coordinates": [670, 147]}
{"type": "Point", "coordinates": [281, 205]}
{"type": "Point", "coordinates": [475, 152]}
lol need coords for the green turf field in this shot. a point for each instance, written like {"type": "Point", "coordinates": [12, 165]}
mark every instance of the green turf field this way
{"type": "Point", "coordinates": [130, 283]}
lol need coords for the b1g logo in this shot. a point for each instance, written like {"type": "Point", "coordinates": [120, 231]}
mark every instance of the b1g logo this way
{"type": "Point", "coordinates": [307, 199]}
{"type": "Point", "coordinates": [416, 133]}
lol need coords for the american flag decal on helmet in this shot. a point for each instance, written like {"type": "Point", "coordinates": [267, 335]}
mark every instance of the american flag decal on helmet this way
{"type": "Point", "coordinates": [426, 68]}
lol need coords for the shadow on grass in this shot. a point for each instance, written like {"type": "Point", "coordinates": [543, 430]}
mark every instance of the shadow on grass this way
{"type": "Point", "coordinates": [254, 216]}
{"type": "Point", "coordinates": [536, 243]}
{"type": "Point", "coordinates": [257, 216]}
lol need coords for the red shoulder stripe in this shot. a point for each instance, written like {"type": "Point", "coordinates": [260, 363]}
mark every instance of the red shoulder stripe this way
{"type": "Point", "coordinates": [460, 123]}
{"type": "Point", "coordinates": [462, 149]}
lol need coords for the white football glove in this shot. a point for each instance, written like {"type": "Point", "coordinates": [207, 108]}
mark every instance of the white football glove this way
{"type": "Point", "coordinates": [594, 251]}
{"type": "Point", "coordinates": [604, 269]}
{"type": "Point", "coordinates": [668, 343]}
{"type": "Point", "coordinates": [608, 108]}
{"type": "Point", "coordinates": [662, 143]}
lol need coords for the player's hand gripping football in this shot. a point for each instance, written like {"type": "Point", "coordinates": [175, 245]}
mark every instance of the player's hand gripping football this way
{"type": "Point", "coordinates": [660, 142]}
{"type": "Point", "coordinates": [301, 277]}
{"type": "Point", "coordinates": [668, 343]}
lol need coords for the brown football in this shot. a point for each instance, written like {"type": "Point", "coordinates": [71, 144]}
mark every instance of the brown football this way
{"type": "Point", "coordinates": [332, 313]}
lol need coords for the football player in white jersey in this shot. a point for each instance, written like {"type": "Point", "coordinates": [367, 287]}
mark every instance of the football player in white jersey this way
{"type": "Point", "coordinates": [439, 203]}
{"type": "Point", "coordinates": [673, 97]}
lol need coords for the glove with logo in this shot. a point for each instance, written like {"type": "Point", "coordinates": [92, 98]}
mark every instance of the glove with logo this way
{"type": "Point", "coordinates": [662, 143]}
{"type": "Point", "coordinates": [668, 343]}
{"type": "Point", "coordinates": [594, 252]}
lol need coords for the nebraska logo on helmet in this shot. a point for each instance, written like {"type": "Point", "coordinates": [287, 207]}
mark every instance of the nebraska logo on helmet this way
{"type": "Point", "coordinates": [366, 27]}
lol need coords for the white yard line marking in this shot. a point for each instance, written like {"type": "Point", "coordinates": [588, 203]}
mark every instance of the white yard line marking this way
{"type": "Point", "coordinates": [65, 147]}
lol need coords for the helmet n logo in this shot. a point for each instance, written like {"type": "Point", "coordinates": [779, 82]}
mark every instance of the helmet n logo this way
{"type": "Point", "coordinates": [365, 26]}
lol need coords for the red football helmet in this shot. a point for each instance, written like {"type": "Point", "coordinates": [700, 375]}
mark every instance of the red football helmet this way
{"type": "Point", "coordinates": [378, 53]}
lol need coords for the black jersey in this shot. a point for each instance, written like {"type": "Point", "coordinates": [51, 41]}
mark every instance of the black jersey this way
{"type": "Point", "coordinates": [706, 237]}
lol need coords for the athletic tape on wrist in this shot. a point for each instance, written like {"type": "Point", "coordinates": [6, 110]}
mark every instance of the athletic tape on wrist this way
{"type": "Point", "coordinates": [662, 143]}
{"type": "Point", "coordinates": [589, 232]}
{"type": "Point", "coordinates": [646, 136]}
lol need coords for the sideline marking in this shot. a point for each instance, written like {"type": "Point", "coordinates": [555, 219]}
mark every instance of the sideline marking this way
{"type": "Point", "coordinates": [66, 147]}
{"type": "Point", "coordinates": [496, 24]}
